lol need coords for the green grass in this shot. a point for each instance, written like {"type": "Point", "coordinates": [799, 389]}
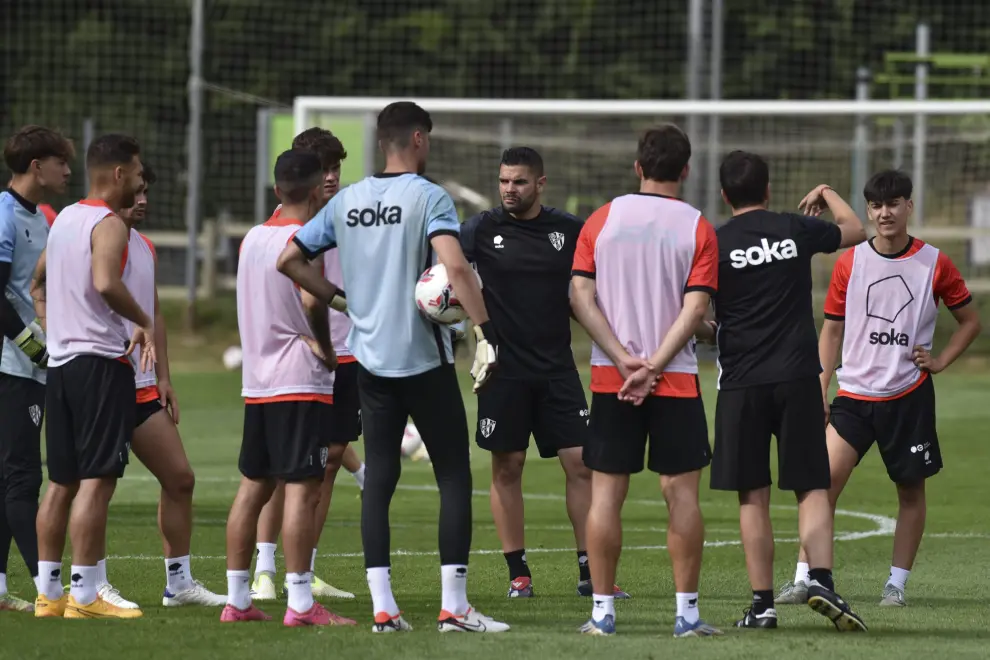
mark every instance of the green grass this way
{"type": "Point", "coordinates": [948, 603]}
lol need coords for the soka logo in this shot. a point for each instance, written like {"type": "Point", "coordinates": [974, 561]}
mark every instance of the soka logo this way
{"type": "Point", "coordinates": [890, 338]}
{"type": "Point", "coordinates": [764, 253]}
{"type": "Point", "coordinates": [380, 215]}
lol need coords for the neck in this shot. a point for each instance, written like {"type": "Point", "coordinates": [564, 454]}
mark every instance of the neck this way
{"type": "Point", "coordinates": [665, 188]}
{"type": "Point", "coordinates": [400, 163]}
{"type": "Point", "coordinates": [108, 196]}
{"type": "Point", "coordinates": [891, 245]}
{"type": "Point", "coordinates": [531, 213]}
{"type": "Point", "coordinates": [28, 188]}
{"type": "Point", "coordinates": [747, 209]}
{"type": "Point", "coordinates": [298, 212]}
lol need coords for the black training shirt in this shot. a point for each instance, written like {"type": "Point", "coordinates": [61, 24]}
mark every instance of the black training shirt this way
{"type": "Point", "coordinates": [525, 269]}
{"type": "Point", "coordinates": [764, 306]}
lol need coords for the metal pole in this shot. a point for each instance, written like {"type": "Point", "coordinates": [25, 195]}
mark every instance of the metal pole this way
{"type": "Point", "coordinates": [920, 123]}
{"type": "Point", "coordinates": [861, 145]}
{"type": "Point", "coordinates": [261, 158]}
{"type": "Point", "coordinates": [88, 134]}
{"type": "Point", "coordinates": [712, 196]}
{"type": "Point", "coordinates": [695, 43]}
{"type": "Point", "coordinates": [194, 148]}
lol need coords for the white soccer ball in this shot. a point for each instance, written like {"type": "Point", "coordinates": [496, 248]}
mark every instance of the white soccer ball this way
{"type": "Point", "coordinates": [436, 299]}
{"type": "Point", "coordinates": [411, 441]}
{"type": "Point", "coordinates": [232, 357]}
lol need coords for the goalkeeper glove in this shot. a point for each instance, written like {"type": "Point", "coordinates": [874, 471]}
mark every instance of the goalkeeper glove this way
{"type": "Point", "coordinates": [339, 301]}
{"type": "Point", "coordinates": [32, 345]}
{"type": "Point", "coordinates": [485, 354]}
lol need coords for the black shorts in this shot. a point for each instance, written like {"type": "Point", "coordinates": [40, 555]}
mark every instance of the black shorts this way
{"type": "Point", "coordinates": [146, 410]}
{"type": "Point", "coordinates": [677, 429]}
{"type": "Point", "coordinates": [745, 418]}
{"type": "Point", "coordinates": [554, 411]}
{"type": "Point", "coordinates": [22, 410]}
{"type": "Point", "coordinates": [285, 440]}
{"type": "Point", "coordinates": [90, 418]}
{"type": "Point", "coordinates": [903, 428]}
{"type": "Point", "coordinates": [432, 399]}
{"type": "Point", "coordinates": [346, 425]}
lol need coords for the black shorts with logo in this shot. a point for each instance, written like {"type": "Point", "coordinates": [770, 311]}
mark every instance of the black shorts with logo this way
{"type": "Point", "coordinates": [745, 418]}
{"type": "Point", "coordinates": [553, 410]}
{"type": "Point", "coordinates": [90, 412]}
{"type": "Point", "coordinates": [22, 411]}
{"type": "Point", "coordinates": [676, 427]}
{"type": "Point", "coordinates": [346, 427]}
{"type": "Point", "coordinates": [285, 440]}
{"type": "Point", "coordinates": [903, 429]}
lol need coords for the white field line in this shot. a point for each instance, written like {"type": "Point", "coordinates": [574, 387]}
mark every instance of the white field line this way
{"type": "Point", "coordinates": [884, 526]}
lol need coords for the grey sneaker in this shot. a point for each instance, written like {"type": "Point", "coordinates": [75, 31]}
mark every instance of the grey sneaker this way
{"type": "Point", "coordinates": [792, 594]}
{"type": "Point", "coordinates": [892, 597]}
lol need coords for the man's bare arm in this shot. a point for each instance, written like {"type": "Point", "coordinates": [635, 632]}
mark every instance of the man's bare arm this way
{"type": "Point", "coordinates": [39, 291]}
{"type": "Point", "coordinates": [461, 276]}
{"type": "Point", "coordinates": [589, 315]}
{"type": "Point", "coordinates": [293, 264]}
{"type": "Point", "coordinates": [693, 310]}
{"type": "Point", "coordinates": [318, 315]}
{"type": "Point", "coordinates": [109, 240]}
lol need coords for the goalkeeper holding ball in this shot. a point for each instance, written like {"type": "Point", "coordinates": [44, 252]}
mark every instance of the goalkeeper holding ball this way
{"type": "Point", "coordinates": [387, 229]}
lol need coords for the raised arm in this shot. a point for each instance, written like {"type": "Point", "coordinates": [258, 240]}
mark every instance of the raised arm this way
{"type": "Point", "coordinates": [851, 228]}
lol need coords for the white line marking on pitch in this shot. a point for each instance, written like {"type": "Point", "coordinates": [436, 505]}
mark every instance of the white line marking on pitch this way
{"type": "Point", "coordinates": [884, 526]}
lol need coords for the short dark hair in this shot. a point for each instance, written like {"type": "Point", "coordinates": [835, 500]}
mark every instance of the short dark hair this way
{"type": "Point", "coordinates": [744, 178]}
{"type": "Point", "coordinates": [324, 144]}
{"type": "Point", "coordinates": [35, 142]}
{"type": "Point", "coordinates": [399, 120]}
{"type": "Point", "coordinates": [888, 185]}
{"type": "Point", "coordinates": [112, 149]}
{"type": "Point", "coordinates": [148, 174]}
{"type": "Point", "coordinates": [523, 156]}
{"type": "Point", "coordinates": [297, 172]}
{"type": "Point", "coordinates": [663, 153]}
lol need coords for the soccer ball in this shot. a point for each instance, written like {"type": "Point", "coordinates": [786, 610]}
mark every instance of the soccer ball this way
{"type": "Point", "coordinates": [232, 357]}
{"type": "Point", "coordinates": [412, 444]}
{"type": "Point", "coordinates": [436, 299]}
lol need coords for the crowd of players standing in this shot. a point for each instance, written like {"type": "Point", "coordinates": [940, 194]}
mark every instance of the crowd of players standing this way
{"type": "Point", "coordinates": [640, 275]}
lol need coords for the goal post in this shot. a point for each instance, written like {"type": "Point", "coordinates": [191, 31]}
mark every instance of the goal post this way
{"type": "Point", "coordinates": [589, 147]}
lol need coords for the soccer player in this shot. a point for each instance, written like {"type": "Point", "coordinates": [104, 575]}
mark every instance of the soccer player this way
{"type": "Point", "coordinates": [346, 426]}
{"type": "Point", "coordinates": [881, 308]}
{"type": "Point", "coordinates": [39, 158]}
{"type": "Point", "coordinates": [523, 252]}
{"type": "Point", "coordinates": [288, 388]}
{"type": "Point", "coordinates": [158, 446]}
{"type": "Point", "coordinates": [388, 229]}
{"type": "Point", "coordinates": [768, 376]}
{"type": "Point", "coordinates": [93, 264]}
{"type": "Point", "coordinates": [644, 272]}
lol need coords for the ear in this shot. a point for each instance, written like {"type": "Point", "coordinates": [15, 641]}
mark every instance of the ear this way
{"type": "Point", "coordinates": [685, 172]}
{"type": "Point", "coordinates": [118, 173]}
{"type": "Point", "coordinates": [725, 198]}
{"type": "Point", "coordinates": [278, 192]}
{"type": "Point", "coordinates": [638, 169]}
{"type": "Point", "coordinates": [910, 207]}
{"type": "Point", "coordinates": [766, 195]}
{"type": "Point", "coordinates": [542, 181]}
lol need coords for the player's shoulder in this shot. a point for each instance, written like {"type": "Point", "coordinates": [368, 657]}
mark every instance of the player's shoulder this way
{"type": "Point", "coordinates": [8, 208]}
{"type": "Point", "coordinates": [563, 216]}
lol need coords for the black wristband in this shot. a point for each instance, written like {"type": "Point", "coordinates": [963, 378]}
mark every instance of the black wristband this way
{"type": "Point", "coordinates": [488, 330]}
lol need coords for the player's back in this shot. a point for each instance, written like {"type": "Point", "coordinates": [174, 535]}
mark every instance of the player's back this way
{"type": "Point", "coordinates": [271, 319]}
{"type": "Point", "coordinates": [79, 321]}
{"type": "Point", "coordinates": [382, 227]}
{"type": "Point", "coordinates": [23, 234]}
{"type": "Point", "coordinates": [764, 302]}
{"type": "Point", "coordinates": [646, 253]}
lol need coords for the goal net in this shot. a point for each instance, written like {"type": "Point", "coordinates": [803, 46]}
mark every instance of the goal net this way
{"type": "Point", "coordinates": [589, 147]}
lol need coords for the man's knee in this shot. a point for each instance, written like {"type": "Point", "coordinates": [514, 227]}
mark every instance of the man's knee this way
{"type": "Point", "coordinates": [911, 494]}
{"type": "Point", "coordinates": [507, 468]}
{"type": "Point", "coordinates": [756, 497]}
{"type": "Point", "coordinates": [680, 492]}
{"type": "Point", "coordinates": [575, 471]}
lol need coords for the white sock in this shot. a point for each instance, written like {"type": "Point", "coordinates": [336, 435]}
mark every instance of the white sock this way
{"type": "Point", "coordinates": [898, 577]}
{"type": "Point", "coordinates": [687, 607]}
{"type": "Point", "coordinates": [178, 575]}
{"type": "Point", "coordinates": [300, 591]}
{"type": "Point", "coordinates": [265, 562]}
{"type": "Point", "coordinates": [101, 573]}
{"type": "Point", "coordinates": [801, 574]}
{"type": "Point", "coordinates": [312, 562]}
{"type": "Point", "coordinates": [83, 586]}
{"type": "Point", "coordinates": [3, 584]}
{"type": "Point", "coordinates": [239, 589]}
{"type": "Point", "coordinates": [359, 476]}
{"type": "Point", "coordinates": [380, 584]}
{"type": "Point", "coordinates": [453, 580]}
{"type": "Point", "coordinates": [604, 605]}
{"type": "Point", "coordinates": [50, 579]}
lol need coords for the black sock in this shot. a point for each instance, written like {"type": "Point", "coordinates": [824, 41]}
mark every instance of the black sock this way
{"type": "Point", "coordinates": [822, 576]}
{"type": "Point", "coordinates": [762, 601]}
{"type": "Point", "coordinates": [583, 569]}
{"type": "Point", "coordinates": [517, 564]}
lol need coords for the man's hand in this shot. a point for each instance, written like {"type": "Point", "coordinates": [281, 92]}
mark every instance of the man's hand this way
{"type": "Point", "coordinates": [813, 203]}
{"type": "Point", "coordinates": [145, 337]}
{"type": "Point", "coordinates": [925, 361]}
{"type": "Point", "coordinates": [166, 395]}
{"type": "Point", "coordinates": [329, 361]}
{"type": "Point", "coordinates": [485, 354]}
{"type": "Point", "coordinates": [33, 345]}
{"type": "Point", "coordinates": [707, 333]}
{"type": "Point", "coordinates": [638, 386]}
